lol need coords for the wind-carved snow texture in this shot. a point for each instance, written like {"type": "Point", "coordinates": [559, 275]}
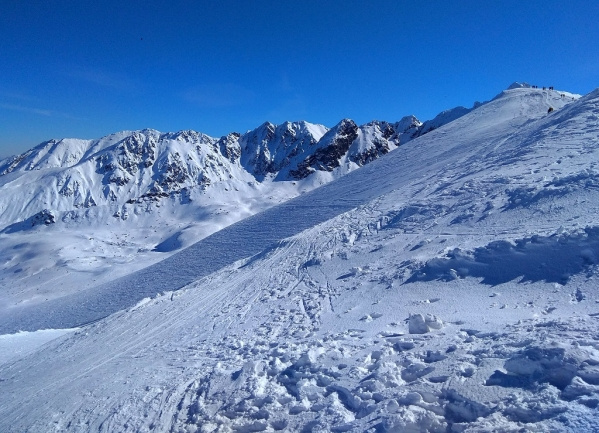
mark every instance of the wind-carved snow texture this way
{"type": "Point", "coordinates": [346, 315]}
{"type": "Point", "coordinates": [551, 259]}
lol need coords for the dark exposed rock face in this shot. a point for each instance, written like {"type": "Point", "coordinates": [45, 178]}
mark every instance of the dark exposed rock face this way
{"type": "Point", "coordinates": [380, 147]}
{"type": "Point", "coordinates": [255, 146]}
{"type": "Point", "coordinates": [132, 154]}
{"type": "Point", "coordinates": [43, 217]}
{"type": "Point", "coordinates": [15, 162]}
{"type": "Point", "coordinates": [269, 148]}
{"type": "Point", "coordinates": [326, 158]}
{"type": "Point", "coordinates": [229, 147]}
{"type": "Point", "coordinates": [384, 138]}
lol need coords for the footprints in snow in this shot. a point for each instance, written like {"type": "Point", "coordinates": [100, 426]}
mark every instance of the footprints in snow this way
{"type": "Point", "coordinates": [351, 381]}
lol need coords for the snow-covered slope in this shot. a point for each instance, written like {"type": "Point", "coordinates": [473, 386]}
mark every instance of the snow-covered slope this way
{"type": "Point", "coordinates": [77, 213]}
{"type": "Point", "coordinates": [448, 286]}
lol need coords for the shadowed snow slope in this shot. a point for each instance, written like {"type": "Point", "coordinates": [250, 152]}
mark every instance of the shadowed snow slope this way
{"type": "Point", "coordinates": [422, 292]}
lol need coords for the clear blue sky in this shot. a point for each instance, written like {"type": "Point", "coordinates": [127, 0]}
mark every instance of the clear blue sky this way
{"type": "Point", "coordinates": [79, 68]}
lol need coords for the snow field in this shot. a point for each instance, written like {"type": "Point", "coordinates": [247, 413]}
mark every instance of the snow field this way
{"type": "Point", "coordinates": [455, 294]}
{"type": "Point", "coordinates": [298, 348]}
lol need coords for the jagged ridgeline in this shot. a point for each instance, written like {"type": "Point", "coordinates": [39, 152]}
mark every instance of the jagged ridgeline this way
{"type": "Point", "coordinates": [60, 179]}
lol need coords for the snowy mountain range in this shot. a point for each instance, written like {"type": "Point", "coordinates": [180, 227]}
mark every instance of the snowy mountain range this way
{"type": "Point", "coordinates": [68, 176]}
{"type": "Point", "coordinates": [136, 196]}
{"type": "Point", "coordinates": [437, 276]}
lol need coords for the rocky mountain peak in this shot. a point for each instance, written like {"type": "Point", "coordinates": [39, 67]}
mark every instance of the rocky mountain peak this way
{"type": "Point", "coordinates": [145, 166]}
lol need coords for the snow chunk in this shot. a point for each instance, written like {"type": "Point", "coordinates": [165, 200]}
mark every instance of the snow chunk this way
{"type": "Point", "coordinates": [419, 324]}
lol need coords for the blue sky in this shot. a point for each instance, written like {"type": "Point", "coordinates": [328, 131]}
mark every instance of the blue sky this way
{"type": "Point", "coordinates": [79, 68]}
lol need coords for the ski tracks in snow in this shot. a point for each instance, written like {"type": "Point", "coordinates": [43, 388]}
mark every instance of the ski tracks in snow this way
{"type": "Point", "coordinates": [364, 322]}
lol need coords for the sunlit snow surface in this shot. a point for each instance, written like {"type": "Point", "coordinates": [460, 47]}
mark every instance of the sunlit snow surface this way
{"type": "Point", "coordinates": [17, 345]}
{"type": "Point", "coordinates": [449, 286]}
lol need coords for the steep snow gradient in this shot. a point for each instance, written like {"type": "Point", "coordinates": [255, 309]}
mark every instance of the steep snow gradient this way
{"type": "Point", "coordinates": [449, 286]}
{"type": "Point", "coordinates": [75, 214]}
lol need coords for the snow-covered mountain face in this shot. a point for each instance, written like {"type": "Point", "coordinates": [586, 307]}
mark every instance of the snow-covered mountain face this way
{"type": "Point", "coordinates": [448, 286]}
{"type": "Point", "coordinates": [84, 211]}
{"type": "Point", "coordinates": [67, 177]}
